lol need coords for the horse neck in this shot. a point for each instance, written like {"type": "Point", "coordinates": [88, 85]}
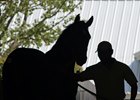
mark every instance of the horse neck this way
{"type": "Point", "coordinates": [62, 53]}
{"type": "Point", "coordinates": [63, 50]}
{"type": "Point", "coordinates": [62, 61]}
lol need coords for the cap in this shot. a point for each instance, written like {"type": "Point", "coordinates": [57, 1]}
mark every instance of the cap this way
{"type": "Point", "coordinates": [103, 46]}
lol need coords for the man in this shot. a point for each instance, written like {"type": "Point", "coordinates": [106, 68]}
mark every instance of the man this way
{"type": "Point", "coordinates": [109, 75]}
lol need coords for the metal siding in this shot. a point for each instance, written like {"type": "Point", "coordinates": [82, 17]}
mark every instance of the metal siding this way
{"type": "Point", "coordinates": [137, 38]}
{"type": "Point", "coordinates": [132, 34]}
{"type": "Point", "coordinates": [114, 21]}
{"type": "Point", "coordinates": [124, 30]}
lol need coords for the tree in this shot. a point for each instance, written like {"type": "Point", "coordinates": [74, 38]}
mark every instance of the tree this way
{"type": "Point", "coordinates": [16, 31]}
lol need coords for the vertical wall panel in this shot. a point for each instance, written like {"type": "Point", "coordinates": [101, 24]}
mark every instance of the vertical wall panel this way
{"type": "Point", "coordinates": [123, 34]}
{"type": "Point", "coordinates": [129, 48]}
{"type": "Point", "coordinates": [137, 40]}
{"type": "Point", "coordinates": [117, 25]}
{"type": "Point", "coordinates": [115, 21]}
{"type": "Point", "coordinates": [109, 20]}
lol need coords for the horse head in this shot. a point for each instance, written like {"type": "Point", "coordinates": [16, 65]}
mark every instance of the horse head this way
{"type": "Point", "coordinates": [72, 44]}
{"type": "Point", "coordinates": [83, 37]}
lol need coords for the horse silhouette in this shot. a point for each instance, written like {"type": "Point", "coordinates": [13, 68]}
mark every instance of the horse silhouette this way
{"type": "Point", "coordinates": [29, 74]}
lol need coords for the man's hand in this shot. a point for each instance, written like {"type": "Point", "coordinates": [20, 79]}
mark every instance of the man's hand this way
{"type": "Point", "coordinates": [134, 88]}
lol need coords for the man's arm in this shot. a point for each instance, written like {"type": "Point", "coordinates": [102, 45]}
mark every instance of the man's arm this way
{"type": "Point", "coordinates": [84, 76]}
{"type": "Point", "coordinates": [132, 81]}
{"type": "Point", "coordinates": [134, 88]}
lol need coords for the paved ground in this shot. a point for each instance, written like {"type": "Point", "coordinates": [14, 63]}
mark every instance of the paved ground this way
{"type": "Point", "coordinates": [128, 96]}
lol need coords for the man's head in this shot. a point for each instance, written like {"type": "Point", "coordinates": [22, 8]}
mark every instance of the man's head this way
{"type": "Point", "coordinates": [105, 51]}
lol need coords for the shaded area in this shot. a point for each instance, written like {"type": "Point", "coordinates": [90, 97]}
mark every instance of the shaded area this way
{"type": "Point", "coordinates": [31, 74]}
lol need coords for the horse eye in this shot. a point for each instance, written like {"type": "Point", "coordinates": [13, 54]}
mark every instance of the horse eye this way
{"type": "Point", "coordinates": [85, 31]}
{"type": "Point", "coordinates": [86, 34]}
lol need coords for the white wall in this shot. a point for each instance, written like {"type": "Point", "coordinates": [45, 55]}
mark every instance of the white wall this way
{"type": "Point", "coordinates": [117, 21]}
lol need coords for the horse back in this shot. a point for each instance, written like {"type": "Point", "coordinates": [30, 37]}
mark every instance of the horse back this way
{"type": "Point", "coordinates": [20, 73]}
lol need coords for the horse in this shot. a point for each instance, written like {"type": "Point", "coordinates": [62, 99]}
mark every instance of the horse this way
{"type": "Point", "coordinates": [31, 74]}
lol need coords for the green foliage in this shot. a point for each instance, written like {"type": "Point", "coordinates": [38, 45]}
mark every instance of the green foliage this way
{"type": "Point", "coordinates": [16, 30]}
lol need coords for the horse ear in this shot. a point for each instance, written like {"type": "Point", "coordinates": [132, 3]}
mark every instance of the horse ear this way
{"type": "Point", "coordinates": [89, 22]}
{"type": "Point", "coordinates": [77, 19]}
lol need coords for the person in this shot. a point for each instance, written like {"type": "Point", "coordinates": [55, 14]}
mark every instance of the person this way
{"type": "Point", "coordinates": [109, 75]}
